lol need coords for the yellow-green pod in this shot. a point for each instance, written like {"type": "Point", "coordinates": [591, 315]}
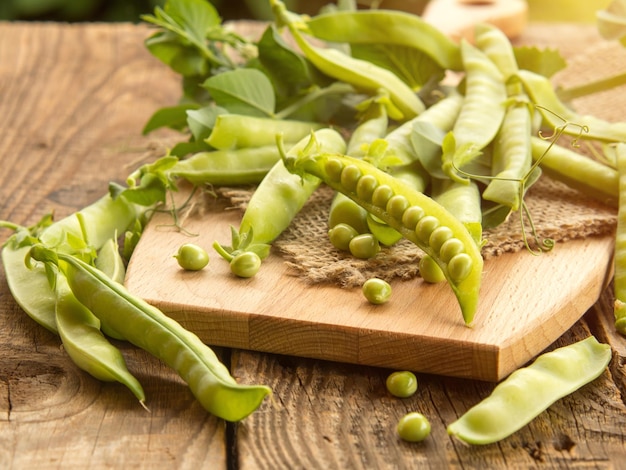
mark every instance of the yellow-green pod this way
{"type": "Point", "coordinates": [88, 348]}
{"type": "Point", "coordinates": [529, 391]}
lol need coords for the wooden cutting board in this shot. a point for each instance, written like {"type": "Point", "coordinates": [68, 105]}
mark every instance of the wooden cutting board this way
{"type": "Point", "coordinates": [526, 303]}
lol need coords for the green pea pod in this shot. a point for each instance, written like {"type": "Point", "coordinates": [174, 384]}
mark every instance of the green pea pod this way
{"type": "Point", "coordinates": [512, 157]}
{"type": "Point", "coordinates": [482, 111]}
{"type": "Point", "coordinates": [529, 391]}
{"type": "Point", "coordinates": [579, 172]}
{"type": "Point", "coordinates": [557, 115]}
{"type": "Point", "coordinates": [463, 201]}
{"type": "Point", "coordinates": [619, 260]}
{"type": "Point", "coordinates": [259, 131]}
{"type": "Point", "coordinates": [387, 27]}
{"type": "Point", "coordinates": [497, 46]}
{"type": "Point", "coordinates": [29, 287]}
{"type": "Point", "coordinates": [80, 333]}
{"type": "Point", "coordinates": [101, 221]}
{"type": "Point", "coordinates": [226, 167]}
{"type": "Point", "coordinates": [148, 328]}
{"type": "Point", "coordinates": [416, 216]}
{"type": "Point", "coordinates": [361, 74]}
{"type": "Point", "coordinates": [111, 263]}
{"type": "Point", "coordinates": [281, 195]}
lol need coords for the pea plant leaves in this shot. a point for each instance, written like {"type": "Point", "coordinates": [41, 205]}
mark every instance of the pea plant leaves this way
{"type": "Point", "coordinates": [243, 91]}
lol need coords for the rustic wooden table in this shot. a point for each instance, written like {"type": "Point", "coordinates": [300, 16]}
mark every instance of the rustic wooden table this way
{"type": "Point", "coordinates": [73, 100]}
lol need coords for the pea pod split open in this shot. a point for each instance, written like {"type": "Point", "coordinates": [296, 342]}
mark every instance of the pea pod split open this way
{"type": "Point", "coordinates": [150, 329]}
{"type": "Point", "coordinates": [416, 216]}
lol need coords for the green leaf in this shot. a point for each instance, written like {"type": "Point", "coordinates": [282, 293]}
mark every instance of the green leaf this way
{"type": "Point", "coordinates": [413, 66]}
{"type": "Point", "coordinates": [174, 117]}
{"type": "Point", "coordinates": [289, 70]}
{"type": "Point", "coordinates": [197, 17]}
{"type": "Point", "coordinates": [202, 121]}
{"type": "Point", "coordinates": [182, 149]}
{"type": "Point", "coordinates": [544, 62]}
{"type": "Point", "coordinates": [183, 59]}
{"type": "Point", "coordinates": [243, 91]}
{"type": "Point", "coordinates": [150, 191]}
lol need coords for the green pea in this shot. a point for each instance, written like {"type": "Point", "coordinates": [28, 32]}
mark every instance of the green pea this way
{"type": "Point", "coordinates": [402, 384]}
{"type": "Point", "coordinates": [412, 216]}
{"type": "Point", "coordinates": [192, 257]}
{"type": "Point", "coordinates": [413, 427]}
{"type": "Point", "coordinates": [439, 236]}
{"type": "Point", "coordinates": [366, 186]}
{"type": "Point", "coordinates": [245, 264]}
{"type": "Point", "coordinates": [334, 168]}
{"type": "Point", "coordinates": [460, 266]}
{"type": "Point", "coordinates": [425, 227]}
{"type": "Point", "coordinates": [377, 291]}
{"type": "Point", "coordinates": [341, 235]}
{"type": "Point", "coordinates": [450, 248]}
{"type": "Point", "coordinates": [381, 195]}
{"type": "Point", "coordinates": [350, 177]}
{"type": "Point", "coordinates": [430, 270]}
{"type": "Point", "coordinates": [364, 246]}
{"type": "Point", "coordinates": [396, 206]}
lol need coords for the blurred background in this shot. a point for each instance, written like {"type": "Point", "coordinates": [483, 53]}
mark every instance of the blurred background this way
{"type": "Point", "coordinates": [130, 10]}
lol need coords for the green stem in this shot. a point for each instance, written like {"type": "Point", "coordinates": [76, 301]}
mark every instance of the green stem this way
{"type": "Point", "coordinates": [568, 94]}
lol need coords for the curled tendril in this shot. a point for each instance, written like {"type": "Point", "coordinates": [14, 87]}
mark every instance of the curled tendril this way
{"type": "Point", "coordinates": [544, 244]}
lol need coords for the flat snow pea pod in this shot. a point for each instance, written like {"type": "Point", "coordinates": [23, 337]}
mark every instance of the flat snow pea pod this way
{"type": "Point", "coordinates": [227, 133]}
{"type": "Point", "coordinates": [619, 259]}
{"type": "Point", "coordinates": [150, 329]}
{"type": "Point", "coordinates": [417, 222]}
{"type": "Point", "coordinates": [557, 115]}
{"type": "Point", "coordinates": [387, 27]}
{"type": "Point", "coordinates": [80, 333]}
{"type": "Point", "coordinates": [361, 74]}
{"type": "Point", "coordinates": [584, 174]}
{"type": "Point", "coordinates": [227, 167]}
{"type": "Point", "coordinates": [529, 391]}
{"type": "Point", "coordinates": [511, 158]}
{"type": "Point", "coordinates": [482, 111]}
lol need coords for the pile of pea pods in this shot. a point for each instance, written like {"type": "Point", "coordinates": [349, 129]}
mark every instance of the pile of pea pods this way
{"type": "Point", "coordinates": [408, 154]}
{"type": "Point", "coordinates": [417, 157]}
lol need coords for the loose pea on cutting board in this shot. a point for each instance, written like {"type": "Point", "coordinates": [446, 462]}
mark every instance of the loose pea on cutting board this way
{"type": "Point", "coordinates": [526, 303]}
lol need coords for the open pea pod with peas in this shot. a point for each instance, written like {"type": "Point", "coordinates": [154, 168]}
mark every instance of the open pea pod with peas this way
{"type": "Point", "coordinates": [415, 215]}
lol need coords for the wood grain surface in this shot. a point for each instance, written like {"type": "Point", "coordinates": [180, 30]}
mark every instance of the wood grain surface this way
{"type": "Point", "coordinates": [519, 313]}
{"type": "Point", "coordinates": [73, 100]}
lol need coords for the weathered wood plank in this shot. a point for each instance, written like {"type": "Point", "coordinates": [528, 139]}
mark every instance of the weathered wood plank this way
{"type": "Point", "coordinates": [73, 101]}
{"type": "Point", "coordinates": [330, 415]}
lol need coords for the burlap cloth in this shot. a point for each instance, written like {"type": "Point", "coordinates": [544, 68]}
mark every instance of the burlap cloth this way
{"type": "Point", "coordinates": [558, 212]}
